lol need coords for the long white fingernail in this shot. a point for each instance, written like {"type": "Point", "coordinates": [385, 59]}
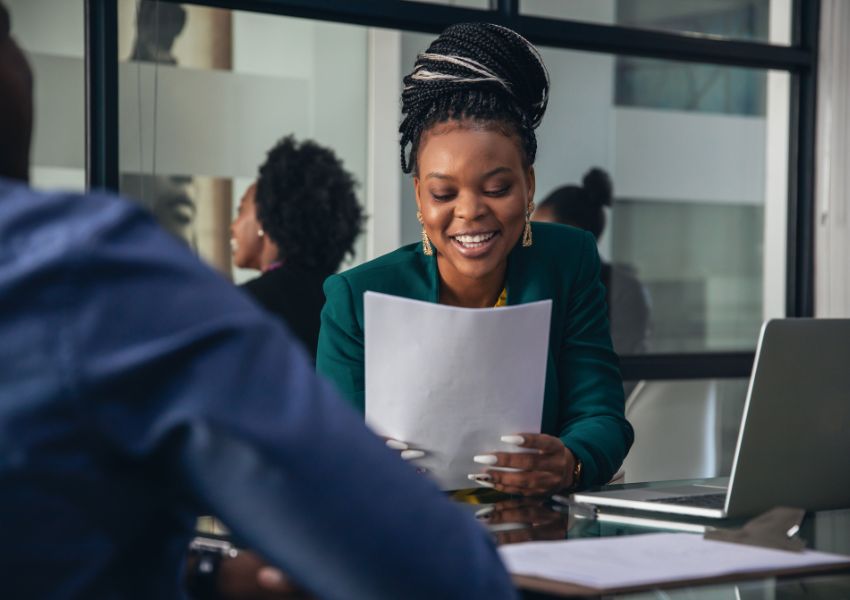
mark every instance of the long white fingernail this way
{"type": "Point", "coordinates": [516, 440]}
{"type": "Point", "coordinates": [481, 479]}
{"type": "Point", "coordinates": [485, 513]}
{"type": "Point", "coordinates": [485, 459]}
{"type": "Point", "coordinates": [270, 576]}
{"type": "Point", "coordinates": [397, 445]}
{"type": "Point", "coordinates": [412, 454]}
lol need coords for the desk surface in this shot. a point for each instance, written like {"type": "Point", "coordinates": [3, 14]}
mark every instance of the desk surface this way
{"type": "Point", "coordinates": [512, 520]}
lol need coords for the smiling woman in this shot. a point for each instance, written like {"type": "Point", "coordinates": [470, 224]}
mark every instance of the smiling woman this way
{"type": "Point", "coordinates": [471, 105]}
{"type": "Point", "coordinates": [473, 199]}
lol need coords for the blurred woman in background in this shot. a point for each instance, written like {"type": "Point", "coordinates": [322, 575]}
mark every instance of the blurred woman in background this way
{"type": "Point", "coordinates": [296, 224]}
{"type": "Point", "coordinates": [628, 300]}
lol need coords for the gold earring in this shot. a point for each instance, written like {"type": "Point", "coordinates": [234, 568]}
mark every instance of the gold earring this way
{"type": "Point", "coordinates": [526, 233]}
{"type": "Point", "coordinates": [427, 249]}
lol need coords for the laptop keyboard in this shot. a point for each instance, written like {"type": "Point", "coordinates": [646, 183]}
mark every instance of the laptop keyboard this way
{"type": "Point", "coordinates": [699, 501]}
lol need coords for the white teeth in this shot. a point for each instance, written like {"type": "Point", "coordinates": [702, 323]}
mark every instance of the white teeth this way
{"type": "Point", "coordinates": [474, 239]}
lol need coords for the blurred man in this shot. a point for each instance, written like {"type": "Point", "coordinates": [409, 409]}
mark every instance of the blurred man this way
{"type": "Point", "coordinates": [138, 390]}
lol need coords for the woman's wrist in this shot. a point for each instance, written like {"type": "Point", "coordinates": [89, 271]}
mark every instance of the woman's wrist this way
{"type": "Point", "coordinates": [573, 471]}
{"type": "Point", "coordinates": [204, 566]}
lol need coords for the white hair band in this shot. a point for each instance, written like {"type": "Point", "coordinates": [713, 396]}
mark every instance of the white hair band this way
{"type": "Point", "coordinates": [420, 73]}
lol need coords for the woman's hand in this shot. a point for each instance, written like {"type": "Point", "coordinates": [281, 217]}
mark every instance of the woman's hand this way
{"type": "Point", "coordinates": [545, 471]}
{"type": "Point", "coordinates": [249, 577]}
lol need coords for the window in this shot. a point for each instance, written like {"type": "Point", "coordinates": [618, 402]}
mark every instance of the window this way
{"type": "Point", "coordinates": [749, 20]}
{"type": "Point", "coordinates": [711, 167]}
{"type": "Point", "coordinates": [205, 93]}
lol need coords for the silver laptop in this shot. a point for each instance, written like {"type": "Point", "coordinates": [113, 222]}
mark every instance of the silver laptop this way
{"type": "Point", "coordinates": [794, 441]}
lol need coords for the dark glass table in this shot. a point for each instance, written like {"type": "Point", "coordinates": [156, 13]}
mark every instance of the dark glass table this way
{"type": "Point", "coordinates": [513, 520]}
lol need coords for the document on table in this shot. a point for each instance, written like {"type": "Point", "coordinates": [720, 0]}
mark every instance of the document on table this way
{"type": "Point", "coordinates": [451, 381]}
{"type": "Point", "coordinates": [639, 561]}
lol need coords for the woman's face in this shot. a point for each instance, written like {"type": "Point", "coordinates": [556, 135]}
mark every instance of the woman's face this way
{"type": "Point", "coordinates": [245, 240]}
{"type": "Point", "coordinates": [473, 192]}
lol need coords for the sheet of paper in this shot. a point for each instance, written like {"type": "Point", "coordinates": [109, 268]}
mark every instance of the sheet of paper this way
{"type": "Point", "coordinates": [451, 381]}
{"type": "Point", "coordinates": [637, 560]}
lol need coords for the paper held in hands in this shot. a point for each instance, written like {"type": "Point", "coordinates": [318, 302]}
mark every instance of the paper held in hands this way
{"type": "Point", "coordinates": [452, 381]}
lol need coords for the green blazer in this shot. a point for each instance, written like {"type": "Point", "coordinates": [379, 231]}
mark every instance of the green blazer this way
{"type": "Point", "coordinates": [583, 402]}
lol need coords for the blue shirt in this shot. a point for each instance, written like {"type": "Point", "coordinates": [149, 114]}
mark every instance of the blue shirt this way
{"type": "Point", "coordinates": [138, 389]}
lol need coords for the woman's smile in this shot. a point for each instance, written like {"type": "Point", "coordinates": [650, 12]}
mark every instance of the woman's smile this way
{"type": "Point", "coordinates": [475, 244]}
{"type": "Point", "coordinates": [473, 197]}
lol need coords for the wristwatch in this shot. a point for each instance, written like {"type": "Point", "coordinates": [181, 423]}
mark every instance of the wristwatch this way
{"type": "Point", "coordinates": [202, 581]}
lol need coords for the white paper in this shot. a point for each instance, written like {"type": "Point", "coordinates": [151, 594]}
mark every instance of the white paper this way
{"type": "Point", "coordinates": [637, 560]}
{"type": "Point", "coordinates": [451, 381]}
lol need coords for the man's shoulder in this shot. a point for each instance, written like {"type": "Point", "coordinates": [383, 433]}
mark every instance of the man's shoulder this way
{"type": "Point", "coordinates": [59, 218]}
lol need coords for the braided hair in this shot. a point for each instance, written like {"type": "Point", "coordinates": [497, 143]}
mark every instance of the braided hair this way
{"type": "Point", "coordinates": [582, 206]}
{"type": "Point", "coordinates": [477, 71]}
{"type": "Point", "coordinates": [15, 104]}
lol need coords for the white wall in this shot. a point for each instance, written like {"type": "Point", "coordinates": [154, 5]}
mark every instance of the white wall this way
{"type": "Point", "coordinates": [384, 182]}
{"type": "Point", "coordinates": [688, 157]}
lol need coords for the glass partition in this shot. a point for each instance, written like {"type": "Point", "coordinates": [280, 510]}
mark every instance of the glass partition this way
{"type": "Point", "coordinates": [694, 237]}
{"type": "Point", "coordinates": [750, 20]}
{"type": "Point", "coordinates": [205, 93]}
{"type": "Point", "coordinates": [52, 35]}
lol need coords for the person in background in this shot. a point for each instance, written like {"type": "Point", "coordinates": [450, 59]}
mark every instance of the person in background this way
{"type": "Point", "coordinates": [471, 105]}
{"type": "Point", "coordinates": [628, 300]}
{"type": "Point", "coordinates": [296, 224]}
{"type": "Point", "coordinates": [139, 389]}
{"type": "Point", "coordinates": [158, 25]}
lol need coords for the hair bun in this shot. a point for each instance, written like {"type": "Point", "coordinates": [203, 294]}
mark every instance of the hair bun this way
{"type": "Point", "coordinates": [486, 56]}
{"type": "Point", "coordinates": [478, 71]}
{"type": "Point", "coordinates": [597, 184]}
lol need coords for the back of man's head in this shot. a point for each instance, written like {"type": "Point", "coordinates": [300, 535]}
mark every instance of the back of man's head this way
{"type": "Point", "coordinates": [15, 104]}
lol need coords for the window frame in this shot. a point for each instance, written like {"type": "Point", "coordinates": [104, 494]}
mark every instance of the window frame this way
{"type": "Point", "coordinates": [799, 60]}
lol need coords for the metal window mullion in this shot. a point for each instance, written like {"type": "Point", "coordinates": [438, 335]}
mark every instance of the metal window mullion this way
{"type": "Point", "coordinates": [101, 65]}
{"type": "Point", "coordinates": [801, 201]}
{"type": "Point", "coordinates": [708, 365]}
{"type": "Point", "coordinates": [576, 35]}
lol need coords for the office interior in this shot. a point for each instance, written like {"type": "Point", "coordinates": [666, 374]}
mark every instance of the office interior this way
{"type": "Point", "coordinates": [723, 125]}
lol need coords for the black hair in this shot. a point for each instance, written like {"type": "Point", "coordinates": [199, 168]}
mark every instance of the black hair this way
{"type": "Point", "coordinates": [307, 205]}
{"type": "Point", "coordinates": [16, 104]}
{"type": "Point", "coordinates": [157, 26]}
{"type": "Point", "coordinates": [5, 23]}
{"type": "Point", "coordinates": [582, 206]}
{"type": "Point", "coordinates": [479, 71]}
